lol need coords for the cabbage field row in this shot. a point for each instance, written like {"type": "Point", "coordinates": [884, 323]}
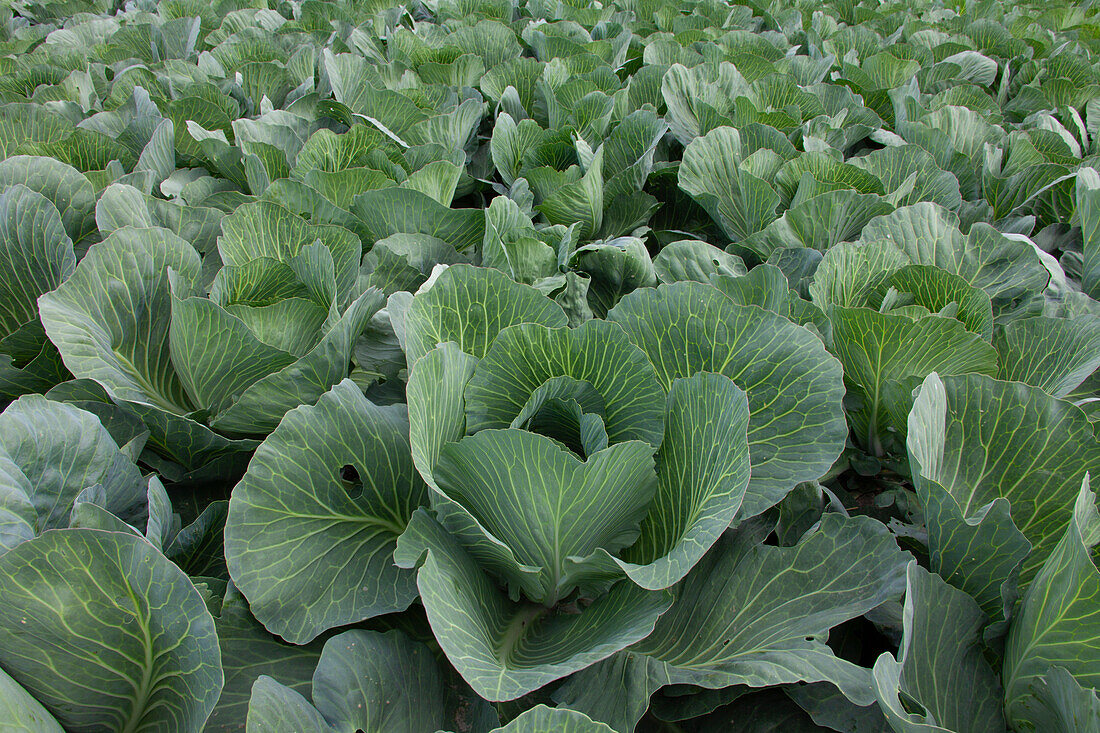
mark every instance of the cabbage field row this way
{"type": "Point", "coordinates": [666, 366]}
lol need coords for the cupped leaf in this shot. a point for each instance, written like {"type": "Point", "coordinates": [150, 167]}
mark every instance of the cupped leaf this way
{"type": "Point", "coordinates": [266, 229]}
{"type": "Point", "coordinates": [525, 356]}
{"type": "Point", "coordinates": [893, 165]}
{"type": "Point", "coordinates": [261, 406]}
{"type": "Point", "coordinates": [1054, 354]}
{"type": "Point", "coordinates": [702, 475]}
{"type": "Point", "coordinates": [64, 186]}
{"type": "Point", "coordinates": [437, 408]}
{"type": "Point", "coordinates": [767, 286]}
{"type": "Point", "coordinates": [110, 320]}
{"type": "Point", "coordinates": [615, 691]}
{"type": "Point", "coordinates": [107, 633]}
{"type": "Point", "coordinates": [49, 453]}
{"type": "Point", "coordinates": [616, 267]}
{"type": "Point", "coordinates": [548, 507]}
{"type": "Point", "coordinates": [820, 222]}
{"type": "Point", "coordinates": [937, 291]}
{"type": "Point", "coordinates": [390, 211]}
{"type": "Point", "coordinates": [1042, 450]}
{"type": "Point", "coordinates": [881, 351]}
{"type": "Point", "coordinates": [470, 306]}
{"type": "Point", "coordinates": [334, 481]}
{"type": "Point", "coordinates": [711, 173]}
{"type": "Point", "coordinates": [1059, 622]}
{"type": "Point", "coordinates": [1059, 704]}
{"type": "Point", "coordinates": [581, 201]}
{"type": "Point", "coordinates": [36, 255]}
{"type": "Point", "coordinates": [1087, 193]}
{"type": "Point", "coordinates": [940, 664]}
{"type": "Point", "coordinates": [758, 615]}
{"type": "Point", "coordinates": [504, 648]}
{"type": "Point", "coordinates": [1008, 270]}
{"type": "Point", "coordinates": [691, 259]}
{"type": "Point", "coordinates": [794, 387]}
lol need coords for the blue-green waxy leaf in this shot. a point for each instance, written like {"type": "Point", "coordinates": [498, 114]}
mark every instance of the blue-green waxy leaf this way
{"type": "Point", "coordinates": [1008, 270]}
{"type": "Point", "coordinates": [1055, 354]}
{"type": "Point", "coordinates": [334, 481]}
{"type": "Point", "coordinates": [107, 633]}
{"type": "Point", "coordinates": [794, 387]}
{"type": "Point", "coordinates": [470, 306]}
{"type": "Point", "coordinates": [110, 320]}
{"type": "Point", "coordinates": [699, 97]}
{"type": "Point", "coordinates": [767, 287]}
{"type": "Point", "coordinates": [581, 201]}
{"type": "Point", "coordinates": [758, 615]}
{"type": "Point", "coordinates": [1058, 624]}
{"type": "Point", "coordinates": [261, 406]}
{"type": "Point", "coordinates": [64, 186]}
{"type": "Point", "coordinates": [504, 648]}
{"type": "Point", "coordinates": [937, 291]}
{"type": "Point", "coordinates": [880, 351]}
{"type": "Point", "coordinates": [276, 708]}
{"type": "Point", "coordinates": [980, 554]}
{"type": "Point", "coordinates": [615, 691]}
{"type": "Point", "coordinates": [1042, 450]}
{"type": "Point", "coordinates": [437, 409]}
{"type": "Point", "coordinates": [525, 356]}
{"type": "Point", "coordinates": [371, 681]}
{"type": "Point", "coordinates": [1059, 704]}
{"type": "Point", "coordinates": [702, 475]}
{"type": "Point", "coordinates": [266, 229]}
{"type": "Point", "coordinates": [367, 680]}
{"type": "Point", "coordinates": [691, 259]}
{"type": "Point", "coordinates": [22, 711]}
{"type": "Point", "coordinates": [940, 665]}
{"type": "Point", "coordinates": [541, 502]}
{"type": "Point", "coordinates": [250, 651]}
{"type": "Point", "coordinates": [36, 255]}
{"type": "Point", "coordinates": [390, 211]}
{"type": "Point", "coordinates": [1088, 209]}
{"type": "Point", "coordinates": [541, 719]}
{"type": "Point", "coordinates": [739, 202]}
{"type": "Point", "coordinates": [49, 453]}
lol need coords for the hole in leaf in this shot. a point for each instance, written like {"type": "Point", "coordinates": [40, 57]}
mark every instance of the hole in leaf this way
{"type": "Point", "coordinates": [353, 485]}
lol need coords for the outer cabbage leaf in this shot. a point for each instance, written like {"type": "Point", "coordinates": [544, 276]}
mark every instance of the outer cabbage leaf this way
{"type": "Point", "coordinates": [624, 388]}
{"type": "Point", "coordinates": [1055, 354]}
{"type": "Point", "coordinates": [881, 351]}
{"type": "Point", "coordinates": [249, 651]}
{"type": "Point", "coordinates": [22, 711]}
{"type": "Point", "coordinates": [49, 453]}
{"type": "Point", "coordinates": [541, 719]}
{"type": "Point", "coordinates": [297, 518]}
{"type": "Point", "coordinates": [551, 510]}
{"type": "Point", "coordinates": [1037, 465]}
{"type": "Point", "coordinates": [137, 651]}
{"type": "Point", "coordinates": [1059, 622]}
{"type": "Point", "coordinates": [940, 664]}
{"type": "Point", "coordinates": [110, 320]}
{"type": "Point", "coordinates": [758, 615]}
